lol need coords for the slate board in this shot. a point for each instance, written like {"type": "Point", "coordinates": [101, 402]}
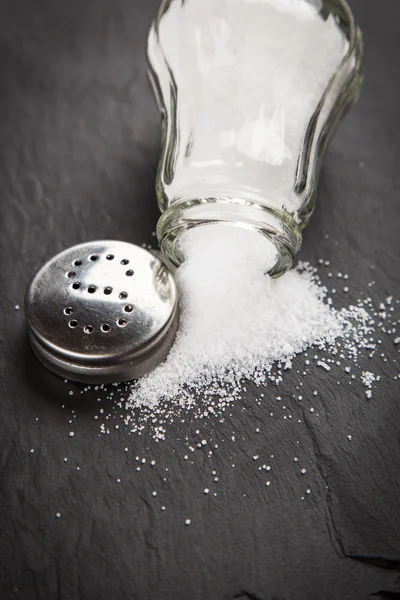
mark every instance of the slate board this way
{"type": "Point", "coordinates": [79, 143]}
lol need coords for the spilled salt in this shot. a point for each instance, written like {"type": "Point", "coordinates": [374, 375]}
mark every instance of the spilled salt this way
{"type": "Point", "coordinates": [237, 322]}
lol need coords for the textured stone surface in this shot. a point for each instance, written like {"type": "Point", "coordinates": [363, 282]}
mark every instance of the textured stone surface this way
{"type": "Point", "coordinates": [79, 143]}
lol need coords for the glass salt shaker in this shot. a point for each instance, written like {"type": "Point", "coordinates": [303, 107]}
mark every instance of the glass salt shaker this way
{"type": "Point", "coordinates": [250, 92]}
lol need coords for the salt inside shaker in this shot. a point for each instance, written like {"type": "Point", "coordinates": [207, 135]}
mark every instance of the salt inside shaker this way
{"type": "Point", "coordinates": [249, 94]}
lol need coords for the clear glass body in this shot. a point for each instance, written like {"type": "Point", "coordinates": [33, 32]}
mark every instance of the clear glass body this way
{"type": "Point", "coordinates": [249, 92]}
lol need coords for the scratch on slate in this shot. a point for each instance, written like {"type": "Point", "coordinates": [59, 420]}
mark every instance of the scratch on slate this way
{"type": "Point", "coordinates": [333, 533]}
{"type": "Point", "coordinates": [379, 562]}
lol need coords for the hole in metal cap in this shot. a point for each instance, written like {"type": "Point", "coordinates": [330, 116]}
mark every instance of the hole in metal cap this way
{"type": "Point", "coordinates": [71, 274]}
{"type": "Point", "coordinates": [123, 295]}
{"type": "Point", "coordinates": [68, 310]}
{"type": "Point", "coordinates": [73, 324]}
{"type": "Point", "coordinates": [93, 257]}
{"type": "Point", "coordinates": [91, 289]}
{"type": "Point", "coordinates": [124, 261]}
{"type": "Point", "coordinates": [129, 273]}
{"type": "Point", "coordinates": [88, 328]}
{"type": "Point", "coordinates": [107, 290]}
{"type": "Point", "coordinates": [106, 328]}
{"type": "Point", "coordinates": [128, 308]}
{"type": "Point", "coordinates": [77, 263]}
{"type": "Point", "coordinates": [76, 285]}
{"type": "Point", "coordinates": [110, 257]}
{"type": "Point", "coordinates": [122, 322]}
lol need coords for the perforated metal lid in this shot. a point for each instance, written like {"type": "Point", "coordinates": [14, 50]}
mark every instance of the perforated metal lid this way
{"type": "Point", "coordinates": [104, 311]}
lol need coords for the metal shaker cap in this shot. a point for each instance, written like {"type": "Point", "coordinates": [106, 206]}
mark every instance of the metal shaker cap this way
{"type": "Point", "coordinates": [102, 312]}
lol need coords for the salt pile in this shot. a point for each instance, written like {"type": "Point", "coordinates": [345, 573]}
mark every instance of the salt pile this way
{"type": "Point", "coordinates": [239, 324]}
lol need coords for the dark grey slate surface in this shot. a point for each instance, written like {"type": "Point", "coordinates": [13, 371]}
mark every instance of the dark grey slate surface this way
{"type": "Point", "coordinates": [79, 142]}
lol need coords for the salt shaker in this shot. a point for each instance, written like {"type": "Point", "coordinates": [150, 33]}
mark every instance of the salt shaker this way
{"type": "Point", "coordinates": [250, 92]}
